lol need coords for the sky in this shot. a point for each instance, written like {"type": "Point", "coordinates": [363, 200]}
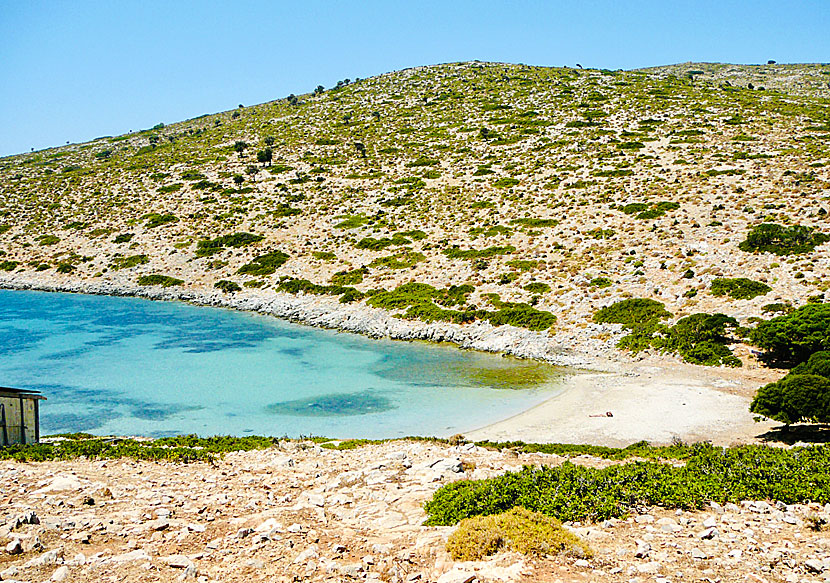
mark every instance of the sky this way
{"type": "Point", "coordinates": [74, 70]}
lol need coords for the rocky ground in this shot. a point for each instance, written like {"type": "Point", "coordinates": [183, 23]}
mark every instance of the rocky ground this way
{"type": "Point", "coordinates": [299, 512]}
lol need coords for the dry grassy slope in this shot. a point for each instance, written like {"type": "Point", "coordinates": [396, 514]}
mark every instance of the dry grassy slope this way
{"type": "Point", "coordinates": [440, 142]}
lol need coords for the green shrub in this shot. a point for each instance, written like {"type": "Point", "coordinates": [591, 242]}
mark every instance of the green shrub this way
{"type": "Point", "coordinates": [208, 247]}
{"type": "Point", "coordinates": [535, 223]}
{"type": "Point", "coordinates": [65, 268]}
{"type": "Point", "coordinates": [8, 265]}
{"type": "Point", "coordinates": [455, 252]}
{"type": "Point", "coordinates": [537, 287]}
{"type": "Point", "coordinates": [794, 337]}
{"type": "Point", "coordinates": [402, 260]}
{"type": "Point", "coordinates": [739, 288]}
{"type": "Point", "coordinates": [294, 286]}
{"type": "Point", "coordinates": [570, 492]}
{"type": "Point", "coordinates": [352, 222]}
{"type": "Point", "coordinates": [227, 286]}
{"type": "Point", "coordinates": [780, 240]}
{"type": "Point", "coordinates": [506, 182]}
{"type": "Point", "coordinates": [373, 244]}
{"type": "Point", "coordinates": [795, 398]}
{"type": "Point", "coordinates": [48, 239]}
{"type": "Point", "coordinates": [633, 313]}
{"type": "Point", "coordinates": [352, 277]}
{"type": "Point", "coordinates": [264, 264]}
{"type": "Point", "coordinates": [600, 282]}
{"type": "Point", "coordinates": [120, 262]}
{"type": "Point", "coordinates": [324, 255]}
{"type": "Point", "coordinates": [123, 238]}
{"type": "Point", "coordinates": [158, 279]}
{"type": "Point", "coordinates": [170, 188]}
{"type": "Point", "coordinates": [193, 176]}
{"type": "Point", "coordinates": [156, 219]}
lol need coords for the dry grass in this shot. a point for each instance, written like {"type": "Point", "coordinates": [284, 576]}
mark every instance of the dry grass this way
{"type": "Point", "coordinates": [518, 530]}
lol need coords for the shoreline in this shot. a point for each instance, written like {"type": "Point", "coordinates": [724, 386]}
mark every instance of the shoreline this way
{"type": "Point", "coordinates": [656, 399]}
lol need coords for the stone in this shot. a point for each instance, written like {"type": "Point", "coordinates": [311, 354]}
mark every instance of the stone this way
{"type": "Point", "coordinates": [159, 524]}
{"type": "Point", "coordinates": [14, 547]}
{"type": "Point", "coordinates": [177, 561]}
{"type": "Point", "coordinates": [644, 519]}
{"type": "Point", "coordinates": [814, 565]}
{"type": "Point", "coordinates": [457, 576]}
{"type": "Point", "coordinates": [698, 554]}
{"type": "Point", "coordinates": [710, 522]}
{"type": "Point", "coordinates": [708, 534]}
{"type": "Point", "coordinates": [136, 555]}
{"type": "Point", "coordinates": [60, 573]}
{"type": "Point", "coordinates": [643, 549]}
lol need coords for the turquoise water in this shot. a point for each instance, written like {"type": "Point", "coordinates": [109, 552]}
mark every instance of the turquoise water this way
{"type": "Point", "coordinates": [126, 366]}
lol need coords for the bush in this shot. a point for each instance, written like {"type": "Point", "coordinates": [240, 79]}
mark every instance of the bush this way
{"type": "Point", "coordinates": [537, 287]}
{"type": "Point", "coordinates": [158, 279]}
{"type": "Point", "coordinates": [570, 492]}
{"type": "Point", "coordinates": [128, 262]}
{"type": "Point", "coordinates": [794, 337]}
{"type": "Point", "coordinates": [773, 238]}
{"type": "Point", "coordinates": [795, 398]}
{"type": "Point", "coordinates": [264, 264]}
{"type": "Point", "coordinates": [505, 182]}
{"type": "Point", "coordinates": [156, 219]}
{"type": "Point", "coordinates": [227, 286]}
{"type": "Point", "coordinates": [455, 252]}
{"type": "Point", "coordinates": [600, 282]}
{"type": "Point", "coordinates": [739, 288]}
{"type": "Point", "coordinates": [352, 277]}
{"type": "Point", "coordinates": [519, 530]}
{"type": "Point", "coordinates": [633, 313]}
{"type": "Point", "coordinates": [208, 247]}
{"type": "Point", "coordinates": [373, 244]}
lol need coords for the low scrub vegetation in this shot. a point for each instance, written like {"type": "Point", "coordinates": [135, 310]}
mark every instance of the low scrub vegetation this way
{"type": "Point", "coordinates": [571, 492]}
{"type": "Point", "coordinates": [159, 279]}
{"type": "Point", "coordinates": [520, 530]}
{"type": "Point", "coordinates": [780, 240]}
{"type": "Point", "coordinates": [739, 288]}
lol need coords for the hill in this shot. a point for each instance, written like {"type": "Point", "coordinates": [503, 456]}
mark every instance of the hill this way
{"type": "Point", "coordinates": [515, 194]}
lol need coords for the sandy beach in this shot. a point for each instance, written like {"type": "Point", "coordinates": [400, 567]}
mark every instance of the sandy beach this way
{"type": "Point", "coordinates": [658, 401]}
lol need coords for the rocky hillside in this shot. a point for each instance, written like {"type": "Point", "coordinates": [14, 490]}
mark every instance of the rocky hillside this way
{"type": "Point", "coordinates": [522, 195]}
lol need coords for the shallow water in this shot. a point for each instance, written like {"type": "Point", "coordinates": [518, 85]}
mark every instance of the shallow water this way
{"type": "Point", "coordinates": [127, 366]}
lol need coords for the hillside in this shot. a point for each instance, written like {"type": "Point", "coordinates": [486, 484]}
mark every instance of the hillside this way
{"type": "Point", "coordinates": [558, 190]}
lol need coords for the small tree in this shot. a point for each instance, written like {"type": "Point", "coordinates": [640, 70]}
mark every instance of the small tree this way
{"type": "Point", "coordinates": [238, 179]}
{"type": "Point", "coordinates": [319, 90]}
{"type": "Point", "coordinates": [240, 147]}
{"type": "Point", "coordinates": [794, 337]}
{"type": "Point", "coordinates": [361, 149]}
{"type": "Point", "coordinates": [269, 140]}
{"type": "Point", "coordinates": [264, 156]}
{"type": "Point", "coordinates": [794, 398]}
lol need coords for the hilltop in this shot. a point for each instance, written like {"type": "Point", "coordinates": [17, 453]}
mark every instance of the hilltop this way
{"type": "Point", "coordinates": [509, 194]}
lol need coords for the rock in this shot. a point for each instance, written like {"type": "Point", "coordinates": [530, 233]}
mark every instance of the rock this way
{"type": "Point", "coordinates": [61, 483]}
{"type": "Point", "coordinates": [308, 554]}
{"type": "Point", "coordinates": [644, 519]}
{"type": "Point", "coordinates": [159, 524]}
{"type": "Point", "coordinates": [177, 561]}
{"type": "Point", "coordinates": [649, 568]}
{"type": "Point", "coordinates": [14, 547]}
{"type": "Point", "coordinates": [708, 534]}
{"type": "Point", "coordinates": [447, 465]}
{"type": "Point", "coordinates": [296, 527]}
{"type": "Point", "coordinates": [60, 573]}
{"type": "Point", "coordinates": [814, 565]}
{"type": "Point", "coordinates": [710, 522]}
{"type": "Point", "coordinates": [136, 555]}
{"type": "Point", "coordinates": [47, 558]}
{"type": "Point", "coordinates": [643, 549]}
{"type": "Point", "coordinates": [243, 532]}
{"type": "Point", "coordinates": [698, 554]}
{"type": "Point", "coordinates": [457, 576]}
{"type": "Point", "coordinates": [582, 563]}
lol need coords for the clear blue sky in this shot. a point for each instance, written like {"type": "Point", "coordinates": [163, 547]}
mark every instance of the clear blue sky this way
{"type": "Point", "coordinates": [73, 70]}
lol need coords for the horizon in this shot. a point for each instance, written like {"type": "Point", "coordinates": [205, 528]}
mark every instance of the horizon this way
{"type": "Point", "coordinates": [91, 69]}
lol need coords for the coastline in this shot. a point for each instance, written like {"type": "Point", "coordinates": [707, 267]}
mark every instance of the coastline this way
{"type": "Point", "coordinates": [657, 399]}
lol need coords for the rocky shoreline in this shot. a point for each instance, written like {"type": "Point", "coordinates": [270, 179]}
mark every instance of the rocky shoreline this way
{"type": "Point", "coordinates": [571, 349]}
